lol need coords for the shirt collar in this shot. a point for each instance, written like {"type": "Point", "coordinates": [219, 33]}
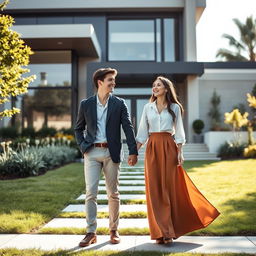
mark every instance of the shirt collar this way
{"type": "Point", "coordinates": [99, 103]}
{"type": "Point", "coordinates": [153, 105]}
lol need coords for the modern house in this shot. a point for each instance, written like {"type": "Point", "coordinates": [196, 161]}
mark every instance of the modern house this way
{"type": "Point", "coordinates": [140, 38]}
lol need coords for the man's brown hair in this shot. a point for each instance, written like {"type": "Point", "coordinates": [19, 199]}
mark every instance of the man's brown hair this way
{"type": "Point", "coordinates": [101, 73]}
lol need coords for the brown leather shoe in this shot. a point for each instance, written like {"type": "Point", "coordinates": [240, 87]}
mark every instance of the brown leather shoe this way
{"type": "Point", "coordinates": [167, 240]}
{"type": "Point", "coordinates": [114, 237]}
{"type": "Point", "coordinates": [160, 240]}
{"type": "Point", "coordinates": [90, 238]}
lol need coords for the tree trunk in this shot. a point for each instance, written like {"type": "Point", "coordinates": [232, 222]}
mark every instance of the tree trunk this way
{"type": "Point", "coordinates": [250, 134]}
{"type": "Point", "coordinates": [45, 119]}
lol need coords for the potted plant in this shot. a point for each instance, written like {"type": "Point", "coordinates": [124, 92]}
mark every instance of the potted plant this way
{"type": "Point", "coordinates": [198, 126]}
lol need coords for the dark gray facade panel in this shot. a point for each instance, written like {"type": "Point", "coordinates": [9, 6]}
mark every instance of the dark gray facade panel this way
{"type": "Point", "coordinates": [25, 20]}
{"type": "Point", "coordinates": [132, 74]}
{"type": "Point", "coordinates": [55, 20]}
{"type": "Point", "coordinates": [74, 72]}
{"type": "Point", "coordinates": [188, 68]}
{"type": "Point", "coordinates": [100, 25]}
{"type": "Point", "coordinates": [230, 65]}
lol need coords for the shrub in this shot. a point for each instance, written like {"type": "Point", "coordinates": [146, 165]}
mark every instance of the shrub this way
{"type": "Point", "coordinates": [28, 132]}
{"type": "Point", "coordinates": [198, 126]}
{"type": "Point", "coordinates": [250, 151]}
{"type": "Point", "coordinates": [231, 150]}
{"type": "Point", "coordinates": [67, 131]}
{"type": "Point", "coordinates": [28, 162]}
{"type": "Point", "coordinates": [46, 131]}
{"type": "Point", "coordinates": [8, 132]}
{"type": "Point", "coordinates": [31, 161]}
{"type": "Point", "coordinates": [54, 156]}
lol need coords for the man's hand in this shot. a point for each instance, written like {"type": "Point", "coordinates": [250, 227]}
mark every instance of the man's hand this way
{"type": "Point", "coordinates": [132, 160]}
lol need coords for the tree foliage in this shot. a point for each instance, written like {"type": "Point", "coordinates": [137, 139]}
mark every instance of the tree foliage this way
{"type": "Point", "coordinates": [51, 102]}
{"type": "Point", "coordinates": [14, 57]}
{"type": "Point", "coordinates": [244, 48]}
{"type": "Point", "coordinates": [214, 112]}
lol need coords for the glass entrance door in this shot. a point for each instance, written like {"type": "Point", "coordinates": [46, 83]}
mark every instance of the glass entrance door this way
{"type": "Point", "coordinates": [140, 103]}
{"type": "Point", "coordinates": [135, 106]}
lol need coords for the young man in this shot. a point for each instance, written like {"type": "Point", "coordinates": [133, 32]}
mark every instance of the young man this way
{"type": "Point", "coordinates": [101, 117]}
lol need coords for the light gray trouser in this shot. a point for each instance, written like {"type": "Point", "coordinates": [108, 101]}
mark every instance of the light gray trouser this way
{"type": "Point", "coordinates": [95, 160]}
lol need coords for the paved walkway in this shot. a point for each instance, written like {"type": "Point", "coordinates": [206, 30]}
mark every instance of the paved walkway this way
{"type": "Point", "coordinates": [192, 244]}
{"type": "Point", "coordinates": [134, 183]}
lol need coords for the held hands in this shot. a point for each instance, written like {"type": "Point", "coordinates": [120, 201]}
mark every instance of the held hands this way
{"type": "Point", "coordinates": [132, 160]}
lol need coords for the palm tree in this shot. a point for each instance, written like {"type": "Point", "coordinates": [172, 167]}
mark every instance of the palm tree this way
{"type": "Point", "coordinates": [245, 47]}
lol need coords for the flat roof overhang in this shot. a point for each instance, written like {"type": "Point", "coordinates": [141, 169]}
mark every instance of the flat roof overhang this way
{"type": "Point", "coordinates": [56, 6]}
{"type": "Point", "coordinates": [135, 72]}
{"type": "Point", "coordinates": [78, 37]}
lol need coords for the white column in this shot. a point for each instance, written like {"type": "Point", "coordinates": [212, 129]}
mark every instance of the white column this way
{"type": "Point", "coordinates": [82, 76]}
{"type": "Point", "coordinates": [190, 30]}
{"type": "Point", "coordinates": [192, 104]}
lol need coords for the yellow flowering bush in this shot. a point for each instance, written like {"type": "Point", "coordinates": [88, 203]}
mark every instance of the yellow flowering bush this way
{"type": "Point", "coordinates": [251, 100]}
{"type": "Point", "coordinates": [60, 135]}
{"type": "Point", "coordinates": [236, 119]}
{"type": "Point", "coordinates": [250, 151]}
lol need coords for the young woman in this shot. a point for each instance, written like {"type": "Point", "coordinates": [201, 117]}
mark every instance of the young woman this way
{"type": "Point", "coordinates": [175, 206]}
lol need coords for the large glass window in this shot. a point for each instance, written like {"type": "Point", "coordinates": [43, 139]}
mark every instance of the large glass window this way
{"type": "Point", "coordinates": [52, 68]}
{"type": "Point", "coordinates": [48, 101]}
{"type": "Point", "coordinates": [142, 40]}
{"type": "Point", "coordinates": [169, 40]}
{"type": "Point", "coordinates": [131, 40]}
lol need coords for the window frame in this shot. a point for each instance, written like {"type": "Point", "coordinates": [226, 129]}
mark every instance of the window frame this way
{"type": "Point", "coordinates": [177, 34]}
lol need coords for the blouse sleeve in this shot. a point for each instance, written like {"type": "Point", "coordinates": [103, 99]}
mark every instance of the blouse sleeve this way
{"type": "Point", "coordinates": [179, 128]}
{"type": "Point", "coordinates": [143, 131]}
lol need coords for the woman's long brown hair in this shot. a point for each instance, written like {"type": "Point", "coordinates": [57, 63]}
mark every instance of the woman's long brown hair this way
{"type": "Point", "coordinates": [171, 96]}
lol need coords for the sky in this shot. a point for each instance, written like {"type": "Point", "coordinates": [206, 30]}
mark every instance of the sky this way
{"type": "Point", "coordinates": [216, 20]}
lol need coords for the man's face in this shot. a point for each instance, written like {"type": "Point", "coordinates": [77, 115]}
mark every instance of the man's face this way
{"type": "Point", "coordinates": [108, 84]}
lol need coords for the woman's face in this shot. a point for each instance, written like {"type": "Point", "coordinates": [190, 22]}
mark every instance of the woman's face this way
{"type": "Point", "coordinates": [158, 88]}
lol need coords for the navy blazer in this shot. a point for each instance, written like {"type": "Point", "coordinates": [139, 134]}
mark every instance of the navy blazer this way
{"type": "Point", "coordinates": [117, 115]}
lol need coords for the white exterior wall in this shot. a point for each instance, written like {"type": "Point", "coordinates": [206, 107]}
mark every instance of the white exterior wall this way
{"type": "Point", "coordinates": [215, 139]}
{"type": "Point", "coordinates": [231, 84]}
{"type": "Point", "coordinates": [190, 30]}
{"type": "Point", "coordinates": [192, 105]}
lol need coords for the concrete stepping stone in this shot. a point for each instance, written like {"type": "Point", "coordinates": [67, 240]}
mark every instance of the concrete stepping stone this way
{"type": "Point", "coordinates": [122, 197]}
{"type": "Point", "coordinates": [124, 173]}
{"type": "Point", "coordinates": [104, 223]}
{"type": "Point", "coordinates": [104, 208]}
{"type": "Point", "coordinates": [125, 188]}
{"type": "Point", "coordinates": [133, 182]}
{"type": "Point", "coordinates": [132, 167]}
{"type": "Point", "coordinates": [130, 177]}
{"type": "Point", "coordinates": [186, 244]}
{"type": "Point", "coordinates": [137, 177]}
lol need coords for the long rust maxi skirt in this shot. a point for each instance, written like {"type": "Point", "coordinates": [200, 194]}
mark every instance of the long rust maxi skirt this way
{"type": "Point", "coordinates": [174, 205]}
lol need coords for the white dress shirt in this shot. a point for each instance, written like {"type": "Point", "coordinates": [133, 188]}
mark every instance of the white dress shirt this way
{"type": "Point", "coordinates": [101, 121]}
{"type": "Point", "coordinates": [152, 121]}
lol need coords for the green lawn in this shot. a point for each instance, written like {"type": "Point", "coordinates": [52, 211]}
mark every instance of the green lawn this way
{"type": "Point", "coordinates": [26, 204]}
{"type": "Point", "coordinates": [231, 187]}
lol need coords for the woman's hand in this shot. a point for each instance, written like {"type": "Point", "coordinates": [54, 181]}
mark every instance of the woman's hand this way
{"type": "Point", "coordinates": [180, 155]}
{"type": "Point", "coordinates": [180, 158]}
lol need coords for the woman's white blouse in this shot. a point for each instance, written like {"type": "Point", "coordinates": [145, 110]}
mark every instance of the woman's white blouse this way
{"type": "Point", "coordinates": [152, 121]}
